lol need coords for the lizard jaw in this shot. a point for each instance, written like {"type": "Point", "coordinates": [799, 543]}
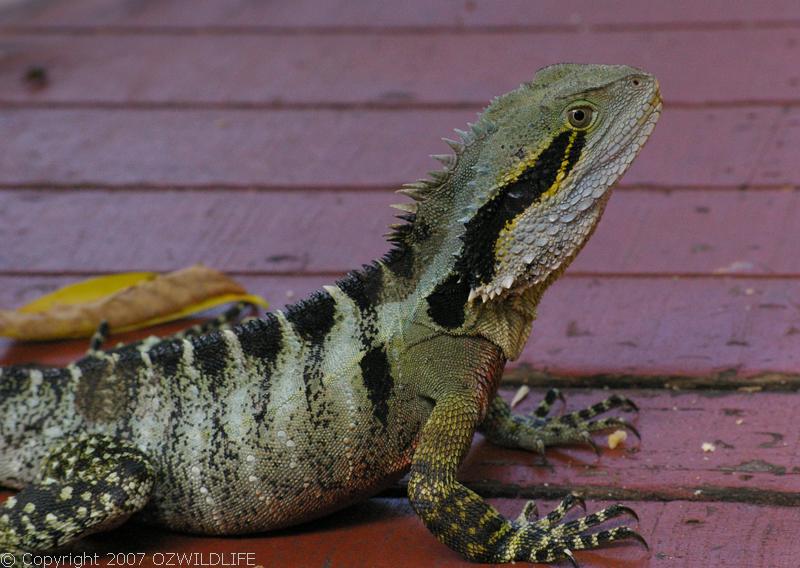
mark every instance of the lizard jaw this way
{"type": "Point", "coordinates": [491, 291]}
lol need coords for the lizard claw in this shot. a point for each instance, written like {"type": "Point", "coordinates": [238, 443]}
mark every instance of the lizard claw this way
{"type": "Point", "coordinates": [632, 429]}
{"type": "Point", "coordinates": [568, 553]}
{"type": "Point", "coordinates": [581, 501]}
{"type": "Point", "coordinates": [629, 511]}
{"type": "Point", "coordinates": [587, 439]}
{"type": "Point", "coordinates": [540, 449]}
{"type": "Point", "coordinates": [638, 538]}
{"type": "Point", "coordinates": [630, 404]}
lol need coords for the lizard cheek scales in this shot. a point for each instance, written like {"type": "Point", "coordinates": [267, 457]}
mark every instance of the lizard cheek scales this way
{"type": "Point", "coordinates": [489, 231]}
{"type": "Point", "coordinates": [497, 218]}
{"type": "Point", "coordinates": [543, 177]}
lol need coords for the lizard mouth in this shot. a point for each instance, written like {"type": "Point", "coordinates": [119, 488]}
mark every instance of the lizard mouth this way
{"type": "Point", "coordinates": [648, 119]}
{"type": "Point", "coordinates": [651, 114]}
{"type": "Point", "coordinates": [638, 135]}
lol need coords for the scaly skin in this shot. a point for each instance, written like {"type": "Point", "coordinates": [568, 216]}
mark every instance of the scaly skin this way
{"type": "Point", "coordinates": [283, 419]}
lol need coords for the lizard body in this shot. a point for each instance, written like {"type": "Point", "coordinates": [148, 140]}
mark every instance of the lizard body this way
{"type": "Point", "coordinates": [283, 419]}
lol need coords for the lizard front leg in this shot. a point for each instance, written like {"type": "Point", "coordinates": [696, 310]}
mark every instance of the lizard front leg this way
{"type": "Point", "coordinates": [89, 484]}
{"type": "Point", "coordinates": [537, 431]}
{"type": "Point", "coordinates": [461, 519]}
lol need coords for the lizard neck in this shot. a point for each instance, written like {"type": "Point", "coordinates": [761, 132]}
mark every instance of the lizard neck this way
{"type": "Point", "coordinates": [424, 271]}
{"type": "Point", "coordinates": [432, 268]}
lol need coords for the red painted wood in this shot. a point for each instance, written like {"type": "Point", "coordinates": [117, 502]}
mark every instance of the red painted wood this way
{"type": "Point", "coordinates": [775, 166]}
{"type": "Point", "coordinates": [729, 147]}
{"type": "Point", "coordinates": [345, 13]}
{"type": "Point", "coordinates": [652, 326]}
{"type": "Point", "coordinates": [696, 232]}
{"type": "Point", "coordinates": [285, 231]}
{"type": "Point", "coordinates": [755, 458]}
{"type": "Point", "coordinates": [393, 69]}
{"type": "Point", "coordinates": [643, 231]}
{"type": "Point", "coordinates": [386, 533]}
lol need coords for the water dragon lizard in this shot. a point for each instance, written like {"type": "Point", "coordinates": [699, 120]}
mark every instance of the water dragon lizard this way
{"type": "Point", "coordinates": [272, 422]}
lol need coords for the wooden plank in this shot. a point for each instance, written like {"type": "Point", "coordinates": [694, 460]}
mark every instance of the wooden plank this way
{"type": "Point", "coordinates": [352, 149]}
{"type": "Point", "coordinates": [393, 70]}
{"type": "Point", "coordinates": [590, 331]}
{"type": "Point", "coordinates": [385, 532]}
{"type": "Point", "coordinates": [774, 165]}
{"type": "Point", "coordinates": [220, 147]}
{"type": "Point", "coordinates": [754, 435]}
{"type": "Point", "coordinates": [284, 231]}
{"type": "Point", "coordinates": [643, 231]}
{"type": "Point", "coordinates": [416, 14]}
{"type": "Point", "coordinates": [709, 331]}
{"type": "Point", "coordinates": [695, 232]}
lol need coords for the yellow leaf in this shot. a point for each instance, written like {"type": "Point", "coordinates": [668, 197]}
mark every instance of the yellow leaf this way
{"type": "Point", "coordinates": [86, 291]}
{"type": "Point", "coordinates": [127, 301]}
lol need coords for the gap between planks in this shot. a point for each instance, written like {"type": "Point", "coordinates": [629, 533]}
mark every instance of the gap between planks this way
{"type": "Point", "coordinates": [694, 493]}
{"type": "Point", "coordinates": [364, 30]}
{"type": "Point", "coordinates": [723, 380]}
{"type": "Point", "coordinates": [164, 71]}
{"type": "Point", "coordinates": [366, 105]}
{"type": "Point", "coordinates": [55, 186]}
{"type": "Point", "coordinates": [336, 274]}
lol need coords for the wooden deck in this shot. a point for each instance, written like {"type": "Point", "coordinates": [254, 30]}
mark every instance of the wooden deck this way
{"type": "Point", "coordinates": [265, 139]}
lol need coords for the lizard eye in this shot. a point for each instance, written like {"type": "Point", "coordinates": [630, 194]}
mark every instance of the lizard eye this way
{"type": "Point", "coordinates": [580, 117]}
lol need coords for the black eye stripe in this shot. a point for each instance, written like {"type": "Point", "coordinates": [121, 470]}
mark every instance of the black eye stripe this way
{"type": "Point", "coordinates": [476, 263]}
{"type": "Point", "coordinates": [477, 259]}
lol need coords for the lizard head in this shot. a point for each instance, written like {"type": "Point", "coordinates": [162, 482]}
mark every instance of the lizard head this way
{"type": "Point", "coordinates": [542, 162]}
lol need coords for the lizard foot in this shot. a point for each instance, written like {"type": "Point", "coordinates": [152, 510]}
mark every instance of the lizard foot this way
{"type": "Point", "coordinates": [537, 431]}
{"type": "Point", "coordinates": [89, 483]}
{"type": "Point", "coordinates": [549, 538]}
{"type": "Point", "coordinates": [577, 426]}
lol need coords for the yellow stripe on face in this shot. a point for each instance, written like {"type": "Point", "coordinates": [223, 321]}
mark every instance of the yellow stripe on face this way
{"type": "Point", "coordinates": [528, 162]}
{"type": "Point", "coordinates": [502, 244]}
